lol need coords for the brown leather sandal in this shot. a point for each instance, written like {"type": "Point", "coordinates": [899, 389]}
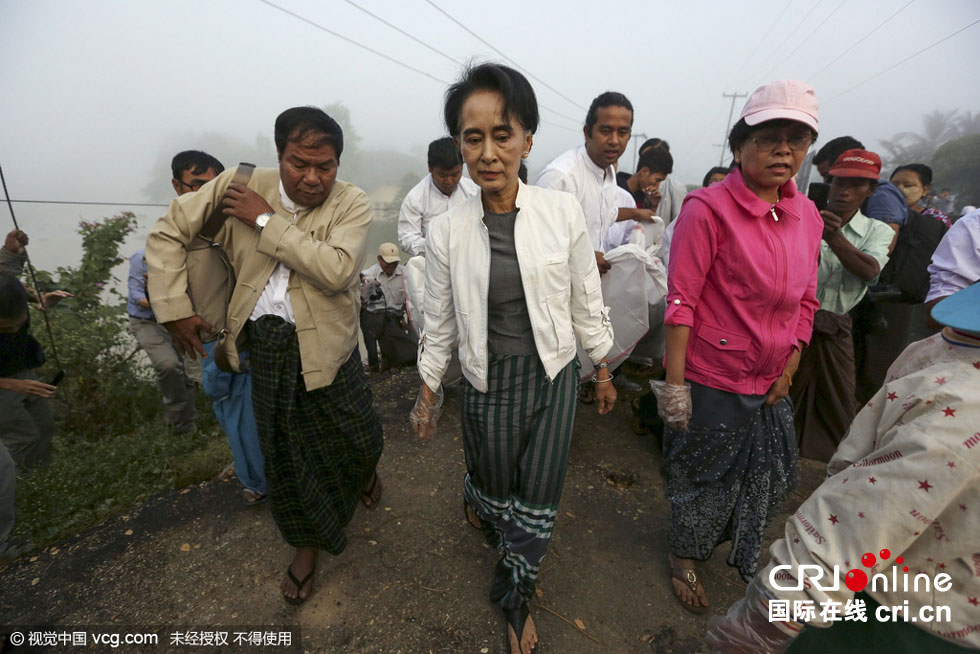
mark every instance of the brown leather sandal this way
{"type": "Point", "coordinates": [471, 516]}
{"type": "Point", "coordinates": [689, 576]}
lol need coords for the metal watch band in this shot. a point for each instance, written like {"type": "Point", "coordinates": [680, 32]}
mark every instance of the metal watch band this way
{"type": "Point", "coordinates": [262, 219]}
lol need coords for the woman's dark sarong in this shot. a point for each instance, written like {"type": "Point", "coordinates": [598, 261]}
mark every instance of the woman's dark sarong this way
{"type": "Point", "coordinates": [823, 387]}
{"type": "Point", "coordinates": [728, 474]}
{"type": "Point", "coordinates": [516, 438]}
{"type": "Point", "coordinates": [321, 447]}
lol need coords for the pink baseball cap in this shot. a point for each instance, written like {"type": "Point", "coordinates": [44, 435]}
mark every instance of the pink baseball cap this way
{"type": "Point", "coordinates": [787, 99]}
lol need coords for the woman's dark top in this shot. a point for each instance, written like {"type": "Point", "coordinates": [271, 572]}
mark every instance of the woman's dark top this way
{"type": "Point", "coordinates": [508, 322]}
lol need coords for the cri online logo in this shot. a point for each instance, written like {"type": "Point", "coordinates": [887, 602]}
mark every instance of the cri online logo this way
{"type": "Point", "coordinates": [856, 579]}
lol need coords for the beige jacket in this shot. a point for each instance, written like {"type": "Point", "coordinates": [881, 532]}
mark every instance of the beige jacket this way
{"type": "Point", "coordinates": [324, 248]}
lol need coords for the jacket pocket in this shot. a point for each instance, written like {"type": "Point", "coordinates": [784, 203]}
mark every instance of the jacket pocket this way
{"type": "Point", "coordinates": [561, 335]}
{"type": "Point", "coordinates": [592, 285]}
{"type": "Point", "coordinates": [467, 353]}
{"type": "Point", "coordinates": [722, 351]}
{"type": "Point", "coordinates": [554, 276]}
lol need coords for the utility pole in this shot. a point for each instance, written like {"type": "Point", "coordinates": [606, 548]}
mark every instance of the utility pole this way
{"type": "Point", "coordinates": [634, 138]}
{"type": "Point", "coordinates": [724, 138]}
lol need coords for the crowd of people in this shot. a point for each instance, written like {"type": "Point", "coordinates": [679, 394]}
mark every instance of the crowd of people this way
{"type": "Point", "coordinates": [783, 316]}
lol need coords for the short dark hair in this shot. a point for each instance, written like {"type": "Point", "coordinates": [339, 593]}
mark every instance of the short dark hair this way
{"type": "Point", "coordinates": [518, 96]}
{"type": "Point", "coordinates": [13, 298]}
{"type": "Point", "coordinates": [717, 170]}
{"type": "Point", "coordinates": [834, 148]}
{"type": "Point", "coordinates": [660, 144]}
{"type": "Point", "coordinates": [522, 173]}
{"type": "Point", "coordinates": [923, 171]}
{"type": "Point", "coordinates": [607, 99]}
{"type": "Point", "coordinates": [656, 161]}
{"type": "Point", "coordinates": [443, 153]}
{"type": "Point", "coordinates": [295, 123]}
{"type": "Point", "coordinates": [742, 131]}
{"type": "Point", "coordinates": [195, 161]}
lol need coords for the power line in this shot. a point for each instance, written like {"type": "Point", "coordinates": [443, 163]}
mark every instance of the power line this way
{"type": "Point", "coordinates": [761, 41]}
{"type": "Point", "coordinates": [779, 47]}
{"type": "Point", "coordinates": [896, 65]}
{"type": "Point", "coordinates": [401, 31]}
{"type": "Point", "coordinates": [484, 42]}
{"type": "Point", "coordinates": [352, 41]}
{"type": "Point", "coordinates": [808, 37]}
{"type": "Point", "coordinates": [438, 51]}
{"type": "Point", "coordinates": [85, 202]}
{"type": "Point", "coordinates": [547, 122]}
{"type": "Point", "coordinates": [858, 42]}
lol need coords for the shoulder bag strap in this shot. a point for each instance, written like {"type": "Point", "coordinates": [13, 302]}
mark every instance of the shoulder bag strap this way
{"type": "Point", "coordinates": [213, 224]}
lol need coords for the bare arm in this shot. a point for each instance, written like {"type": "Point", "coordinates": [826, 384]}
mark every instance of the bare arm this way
{"type": "Point", "coordinates": [676, 337]}
{"type": "Point", "coordinates": [854, 260]}
{"type": "Point", "coordinates": [639, 215]}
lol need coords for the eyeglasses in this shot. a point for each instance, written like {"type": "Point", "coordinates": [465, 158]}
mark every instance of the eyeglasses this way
{"type": "Point", "coordinates": [772, 141]}
{"type": "Point", "coordinates": [194, 185]}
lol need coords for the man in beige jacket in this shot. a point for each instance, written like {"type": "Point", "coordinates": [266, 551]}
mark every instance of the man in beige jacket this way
{"type": "Point", "coordinates": [296, 239]}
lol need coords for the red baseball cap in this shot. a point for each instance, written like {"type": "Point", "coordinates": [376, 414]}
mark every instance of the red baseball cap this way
{"type": "Point", "coordinates": [857, 163]}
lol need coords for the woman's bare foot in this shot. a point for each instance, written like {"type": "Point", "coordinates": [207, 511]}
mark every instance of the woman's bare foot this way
{"type": "Point", "coordinates": [529, 640]}
{"type": "Point", "coordinates": [696, 599]}
{"type": "Point", "coordinates": [304, 562]}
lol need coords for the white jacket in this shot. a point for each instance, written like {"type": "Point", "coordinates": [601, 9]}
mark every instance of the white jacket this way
{"type": "Point", "coordinates": [558, 270]}
{"type": "Point", "coordinates": [423, 203]}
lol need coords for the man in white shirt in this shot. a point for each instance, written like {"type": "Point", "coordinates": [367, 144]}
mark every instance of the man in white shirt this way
{"type": "Point", "coordinates": [588, 171]}
{"type": "Point", "coordinates": [443, 188]}
{"type": "Point", "coordinates": [382, 292]}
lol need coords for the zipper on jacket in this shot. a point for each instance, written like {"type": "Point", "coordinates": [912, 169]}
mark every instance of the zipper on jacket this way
{"type": "Point", "coordinates": [485, 308]}
{"type": "Point", "coordinates": [534, 335]}
{"type": "Point", "coordinates": [779, 257]}
{"type": "Point", "coordinates": [772, 210]}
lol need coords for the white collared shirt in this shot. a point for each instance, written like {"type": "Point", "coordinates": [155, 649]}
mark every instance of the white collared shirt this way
{"type": "Point", "coordinates": [274, 299]}
{"type": "Point", "coordinates": [672, 195]}
{"type": "Point", "coordinates": [423, 203]}
{"type": "Point", "coordinates": [595, 189]}
{"type": "Point", "coordinates": [956, 261]}
{"type": "Point", "coordinates": [392, 289]}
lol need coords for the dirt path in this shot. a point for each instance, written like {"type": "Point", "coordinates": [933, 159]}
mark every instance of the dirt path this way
{"type": "Point", "coordinates": [414, 578]}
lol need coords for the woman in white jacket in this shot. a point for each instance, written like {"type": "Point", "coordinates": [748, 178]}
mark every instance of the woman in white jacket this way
{"type": "Point", "coordinates": [511, 277]}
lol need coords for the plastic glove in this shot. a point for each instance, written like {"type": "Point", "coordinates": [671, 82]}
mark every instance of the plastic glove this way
{"type": "Point", "coordinates": [673, 403]}
{"type": "Point", "coordinates": [746, 628]}
{"type": "Point", "coordinates": [425, 414]}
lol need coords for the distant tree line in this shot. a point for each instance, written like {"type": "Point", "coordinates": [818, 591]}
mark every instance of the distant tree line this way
{"type": "Point", "coordinates": [950, 144]}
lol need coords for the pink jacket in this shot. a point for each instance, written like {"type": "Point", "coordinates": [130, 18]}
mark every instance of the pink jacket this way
{"type": "Point", "coordinates": [744, 282]}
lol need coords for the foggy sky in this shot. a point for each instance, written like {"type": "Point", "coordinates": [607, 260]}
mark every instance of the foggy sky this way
{"type": "Point", "coordinates": [94, 92]}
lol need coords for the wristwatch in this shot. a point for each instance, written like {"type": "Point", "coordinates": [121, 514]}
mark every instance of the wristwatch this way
{"type": "Point", "coordinates": [262, 220]}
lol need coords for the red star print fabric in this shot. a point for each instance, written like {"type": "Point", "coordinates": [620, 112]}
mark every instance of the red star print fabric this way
{"type": "Point", "coordinates": [906, 479]}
